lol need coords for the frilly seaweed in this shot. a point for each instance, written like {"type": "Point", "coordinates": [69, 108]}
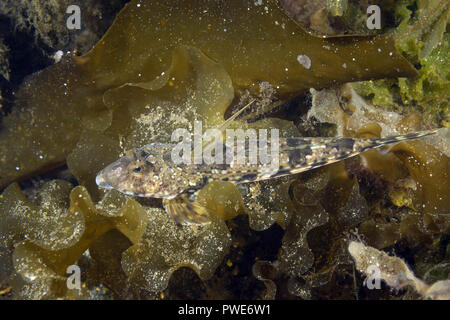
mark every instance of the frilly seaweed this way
{"type": "Point", "coordinates": [138, 230]}
{"type": "Point", "coordinates": [166, 247]}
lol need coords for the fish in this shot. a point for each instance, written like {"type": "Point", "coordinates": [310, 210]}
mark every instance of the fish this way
{"type": "Point", "coordinates": [149, 171]}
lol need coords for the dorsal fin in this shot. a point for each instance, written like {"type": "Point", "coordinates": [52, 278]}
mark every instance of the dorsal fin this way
{"type": "Point", "coordinates": [227, 122]}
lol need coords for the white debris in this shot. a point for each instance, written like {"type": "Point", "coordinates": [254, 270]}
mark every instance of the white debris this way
{"type": "Point", "coordinates": [58, 55]}
{"type": "Point", "coordinates": [304, 60]}
{"type": "Point", "coordinates": [395, 272]}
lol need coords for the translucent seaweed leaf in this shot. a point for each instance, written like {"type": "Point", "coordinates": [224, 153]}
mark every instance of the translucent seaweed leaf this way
{"type": "Point", "coordinates": [49, 224]}
{"type": "Point", "coordinates": [167, 246]}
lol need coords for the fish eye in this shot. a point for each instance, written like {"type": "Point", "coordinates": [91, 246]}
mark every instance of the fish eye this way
{"type": "Point", "coordinates": [137, 168]}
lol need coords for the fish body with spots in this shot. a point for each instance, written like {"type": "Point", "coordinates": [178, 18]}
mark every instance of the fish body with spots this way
{"type": "Point", "coordinates": [149, 171]}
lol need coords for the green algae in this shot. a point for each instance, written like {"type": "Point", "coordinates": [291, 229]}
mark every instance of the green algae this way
{"type": "Point", "coordinates": [425, 42]}
{"type": "Point", "coordinates": [49, 224]}
{"type": "Point", "coordinates": [326, 202]}
{"type": "Point", "coordinates": [335, 17]}
{"type": "Point", "coordinates": [165, 247]}
{"type": "Point", "coordinates": [222, 198]}
{"type": "Point", "coordinates": [40, 266]}
{"type": "Point", "coordinates": [105, 264]}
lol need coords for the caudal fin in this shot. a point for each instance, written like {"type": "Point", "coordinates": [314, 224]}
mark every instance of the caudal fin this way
{"type": "Point", "coordinates": [380, 142]}
{"type": "Point", "coordinates": [407, 136]}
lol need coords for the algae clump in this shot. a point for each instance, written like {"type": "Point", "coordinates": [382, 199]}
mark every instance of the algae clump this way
{"type": "Point", "coordinates": [421, 36]}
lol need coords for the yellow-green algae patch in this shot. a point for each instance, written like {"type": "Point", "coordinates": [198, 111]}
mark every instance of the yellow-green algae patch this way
{"type": "Point", "coordinates": [422, 37]}
{"type": "Point", "coordinates": [167, 246]}
{"type": "Point", "coordinates": [114, 209]}
{"type": "Point", "coordinates": [425, 163]}
{"type": "Point", "coordinates": [49, 223]}
{"type": "Point", "coordinates": [155, 245]}
{"type": "Point", "coordinates": [222, 198]}
{"type": "Point", "coordinates": [60, 242]}
{"type": "Point", "coordinates": [194, 87]}
{"type": "Point", "coordinates": [267, 202]}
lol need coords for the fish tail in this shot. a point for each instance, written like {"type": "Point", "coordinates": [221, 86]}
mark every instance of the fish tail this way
{"type": "Point", "coordinates": [407, 136]}
{"type": "Point", "coordinates": [379, 142]}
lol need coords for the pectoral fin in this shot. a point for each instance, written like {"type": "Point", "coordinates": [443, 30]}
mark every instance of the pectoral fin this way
{"type": "Point", "coordinates": [185, 211]}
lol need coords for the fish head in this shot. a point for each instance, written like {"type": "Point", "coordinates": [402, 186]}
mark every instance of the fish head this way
{"type": "Point", "coordinates": [134, 174]}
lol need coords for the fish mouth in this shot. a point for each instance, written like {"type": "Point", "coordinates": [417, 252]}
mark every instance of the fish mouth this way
{"type": "Point", "coordinates": [101, 182]}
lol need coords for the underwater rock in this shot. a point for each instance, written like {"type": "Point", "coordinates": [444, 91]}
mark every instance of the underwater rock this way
{"type": "Point", "coordinates": [87, 111]}
{"type": "Point", "coordinates": [115, 231]}
{"type": "Point", "coordinates": [425, 30]}
{"type": "Point", "coordinates": [46, 21]}
{"type": "Point", "coordinates": [332, 17]}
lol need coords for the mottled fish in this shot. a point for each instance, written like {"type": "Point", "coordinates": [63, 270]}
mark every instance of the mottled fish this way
{"type": "Point", "coordinates": [150, 172]}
